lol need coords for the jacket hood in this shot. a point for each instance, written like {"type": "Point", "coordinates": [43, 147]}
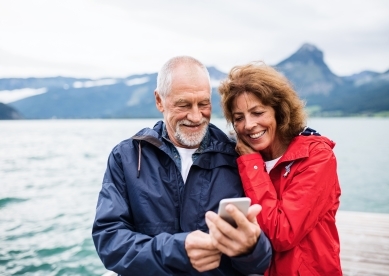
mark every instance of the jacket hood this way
{"type": "Point", "coordinates": [219, 142]}
{"type": "Point", "coordinates": [303, 143]}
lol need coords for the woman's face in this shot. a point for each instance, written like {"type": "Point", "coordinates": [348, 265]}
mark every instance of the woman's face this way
{"type": "Point", "coordinates": [256, 125]}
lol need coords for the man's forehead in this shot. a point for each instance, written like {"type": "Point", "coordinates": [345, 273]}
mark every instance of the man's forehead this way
{"type": "Point", "coordinates": [189, 96]}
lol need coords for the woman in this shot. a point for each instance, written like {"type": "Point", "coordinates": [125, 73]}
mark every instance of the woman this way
{"type": "Point", "coordinates": [288, 169]}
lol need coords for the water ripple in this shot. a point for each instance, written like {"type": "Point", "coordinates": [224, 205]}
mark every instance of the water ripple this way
{"type": "Point", "coordinates": [51, 177]}
{"type": "Point", "coordinates": [10, 200]}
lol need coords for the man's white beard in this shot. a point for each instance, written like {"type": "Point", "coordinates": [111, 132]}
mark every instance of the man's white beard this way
{"type": "Point", "coordinates": [192, 139]}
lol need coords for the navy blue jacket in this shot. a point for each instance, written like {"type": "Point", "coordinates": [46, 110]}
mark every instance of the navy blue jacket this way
{"type": "Point", "coordinates": [144, 211]}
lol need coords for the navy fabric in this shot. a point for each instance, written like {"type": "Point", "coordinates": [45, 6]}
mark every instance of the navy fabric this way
{"type": "Point", "coordinates": [141, 223]}
{"type": "Point", "coordinates": [309, 131]}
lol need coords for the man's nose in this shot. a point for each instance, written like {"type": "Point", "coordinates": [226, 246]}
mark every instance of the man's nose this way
{"type": "Point", "coordinates": [195, 115]}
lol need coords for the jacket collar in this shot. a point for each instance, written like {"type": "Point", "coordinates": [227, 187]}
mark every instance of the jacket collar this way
{"type": "Point", "coordinates": [215, 140]}
{"type": "Point", "coordinates": [299, 147]}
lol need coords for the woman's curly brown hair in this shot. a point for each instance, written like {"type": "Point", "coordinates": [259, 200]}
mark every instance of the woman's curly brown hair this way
{"type": "Point", "coordinates": [272, 89]}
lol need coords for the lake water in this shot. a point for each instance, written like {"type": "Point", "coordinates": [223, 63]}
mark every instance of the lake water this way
{"type": "Point", "coordinates": [51, 172]}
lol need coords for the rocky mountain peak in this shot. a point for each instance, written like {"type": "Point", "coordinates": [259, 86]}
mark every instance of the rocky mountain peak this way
{"type": "Point", "coordinates": [309, 48]}
{"type": "Point", "coordinates": [307, 70]}
{"type": "Point", "coordinates": [307, 54]}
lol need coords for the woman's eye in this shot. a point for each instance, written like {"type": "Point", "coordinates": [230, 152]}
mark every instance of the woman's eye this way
{"type": "Point", "coordinates": [238, 119]}
{"type": "Point", "coordinates": [258, 113]}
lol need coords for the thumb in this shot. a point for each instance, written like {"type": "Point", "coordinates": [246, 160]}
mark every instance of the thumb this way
{"type": "Point", "coordinates": [253, 212]}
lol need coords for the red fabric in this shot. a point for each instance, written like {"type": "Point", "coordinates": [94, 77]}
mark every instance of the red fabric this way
{"type": "Point", "coordinates": [298, 209]}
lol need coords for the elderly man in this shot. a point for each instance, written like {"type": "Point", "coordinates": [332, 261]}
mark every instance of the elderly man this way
{"type": "Point", "coordinates": [161, 183]}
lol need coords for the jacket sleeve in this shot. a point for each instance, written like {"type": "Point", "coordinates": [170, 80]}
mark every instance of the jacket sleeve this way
{"type": "Point", "coordinates": [123, 250]}
{"type": "Point", "coordinates": [288, 217]}
{"type": "Point", "coordinates": [258, 261]}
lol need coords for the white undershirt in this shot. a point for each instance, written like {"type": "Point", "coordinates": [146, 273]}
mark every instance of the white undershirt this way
{"type": "Point", "coordinates": [186, 160]}
{"type": "Point", "coordinates": [270, 164]}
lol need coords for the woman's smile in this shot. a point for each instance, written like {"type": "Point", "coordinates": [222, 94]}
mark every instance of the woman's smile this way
{"type": "Point", "coordinates": [257, 135]}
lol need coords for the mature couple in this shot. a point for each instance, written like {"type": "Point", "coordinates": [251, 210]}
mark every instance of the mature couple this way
{"type": "Point", "coordinates": [156, 212]}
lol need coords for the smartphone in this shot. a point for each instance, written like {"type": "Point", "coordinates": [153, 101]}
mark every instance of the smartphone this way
{"type": "Point", "coordinates": [242, 203]}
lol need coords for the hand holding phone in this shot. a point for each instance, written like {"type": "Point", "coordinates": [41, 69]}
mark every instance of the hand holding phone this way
{"type": "Point", "coordinates": [242, 203]}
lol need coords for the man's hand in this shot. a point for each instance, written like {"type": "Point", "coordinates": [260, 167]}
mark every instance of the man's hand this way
{"type": "Point", "coordinates": [202, 254]}
{"type": "Point", "coordinates": [234, 241]}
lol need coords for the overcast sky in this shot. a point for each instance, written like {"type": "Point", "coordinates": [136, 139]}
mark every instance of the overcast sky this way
{"type": "Point", "coordinates": [118, 38]}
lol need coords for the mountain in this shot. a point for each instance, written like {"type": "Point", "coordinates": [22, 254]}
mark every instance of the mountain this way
{"type": "Point", "coordinates": [367, 95]}
{"type": "Point", "coordinates": [308, 72]}
{"type": "Point", "coordinates": [131, 97]}
{"type": "Point", "coordinates": [325, 93]}
{"type": "Point", "coordinates": [106, 98]}
{"type": "Point", "coordinates": [20, 83]}
{"type": "Point", "coordinates": [8, 113]}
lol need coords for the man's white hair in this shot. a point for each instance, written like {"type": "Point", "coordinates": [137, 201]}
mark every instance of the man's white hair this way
{"type": "Point", "coordinates": [164, 79]}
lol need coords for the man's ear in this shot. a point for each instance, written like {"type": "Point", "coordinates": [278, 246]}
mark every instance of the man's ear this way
{"type": "Point", "coordinates": [158, 101]}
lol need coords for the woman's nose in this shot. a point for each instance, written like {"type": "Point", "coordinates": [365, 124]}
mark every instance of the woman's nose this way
{"type": "Point", "coordinates": [249, 123]}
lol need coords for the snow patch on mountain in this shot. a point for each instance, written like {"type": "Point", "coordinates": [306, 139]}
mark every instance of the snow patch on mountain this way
{"type": "Point", "coordinates": [93, 83]}
{"type": "Point", "coordinates": [137, 81]}
{"type": "Point", "coordinates": [9, 96]}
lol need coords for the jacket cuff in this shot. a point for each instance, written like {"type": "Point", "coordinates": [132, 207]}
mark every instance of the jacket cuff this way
{"type": "Point", "coordinates": [258, 261]}
{"type": "Point", "coordinates": [250, 157]}
{"type": "Point", "coordinates": [180, 240]}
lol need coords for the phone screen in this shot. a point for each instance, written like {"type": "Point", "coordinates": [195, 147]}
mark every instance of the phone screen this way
{"type": "Point", "coordinates": [242, 203]}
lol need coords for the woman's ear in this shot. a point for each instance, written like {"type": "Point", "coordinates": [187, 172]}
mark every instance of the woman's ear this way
{"type": "Point", "coordinates": [158, 101]}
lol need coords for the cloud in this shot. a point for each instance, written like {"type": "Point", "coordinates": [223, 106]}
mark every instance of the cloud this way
{"type": "Point", "coordinates": [8, 96]}
{"type": "Point", "coordinates": [117, 38]}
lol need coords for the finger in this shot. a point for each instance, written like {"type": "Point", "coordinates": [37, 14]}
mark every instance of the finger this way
{"type": "Point", "coordinates": [237, 215]}
{"type": "Point", "coordinates": [224, 244]}
{"type": "Point", "coordinates": [246, 224]}
{"type": "Point", "coordinates": [221, 233]}
{"type": "Point", "coordinates": [199, 254]}
{"type": "Point", "coordinates": [253, 212]}
{"type": "Point", "coordinates": [236, 241]}
{"type": "Point", "coordinates": [211, 219]}
{"type": "Point", "coordinates": [202, 257]}
{"type": "Point", "coordinates": [215, 225]}
{"type": "Point", "coordinates": [228, 249]}
{"type": "Point", "coordinates": [217, 222]}
{"type": "Point", "coordinates": [198, 240]}
{"type": "Point", "coordinates": [242, 147]}
{"type": "Point", "coordinates": [206, 263]}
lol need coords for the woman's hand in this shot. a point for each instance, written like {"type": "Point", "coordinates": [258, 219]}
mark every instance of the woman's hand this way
{"type": "Point", "coordinates": [242, 148]}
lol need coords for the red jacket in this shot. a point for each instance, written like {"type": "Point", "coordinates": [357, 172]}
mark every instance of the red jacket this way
{"type": "Point", "coordinates": [299, 201]}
